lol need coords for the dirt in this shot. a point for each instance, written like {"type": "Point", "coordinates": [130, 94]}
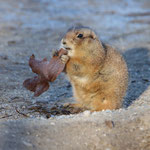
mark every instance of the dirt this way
{"type": "Point", "coordinates": [36, 27]}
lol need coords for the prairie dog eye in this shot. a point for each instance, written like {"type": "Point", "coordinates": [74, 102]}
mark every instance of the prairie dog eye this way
{"type": "Point", "coordinates": [80, 36]}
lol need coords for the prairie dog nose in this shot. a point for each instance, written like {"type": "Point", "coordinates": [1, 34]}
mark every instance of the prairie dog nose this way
{"type": "Point", "coordinates": [64, 42]}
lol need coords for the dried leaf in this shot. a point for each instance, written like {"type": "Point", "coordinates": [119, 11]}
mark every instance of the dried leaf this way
{"type": "Point", "coordinates": [47, 71]}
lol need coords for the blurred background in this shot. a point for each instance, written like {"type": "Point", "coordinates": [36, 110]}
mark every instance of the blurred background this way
{"type": "Point", "coordinates": [37, 26]}
{"type": "Point", "coordinates": [42, 23]}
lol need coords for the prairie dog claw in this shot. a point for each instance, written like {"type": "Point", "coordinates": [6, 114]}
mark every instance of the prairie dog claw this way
{"type": "Point", "coordinates": [64, 59]}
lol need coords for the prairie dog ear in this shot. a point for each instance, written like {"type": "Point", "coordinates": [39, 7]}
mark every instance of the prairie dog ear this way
{"type": "Point", "coordinates": [93, 35]}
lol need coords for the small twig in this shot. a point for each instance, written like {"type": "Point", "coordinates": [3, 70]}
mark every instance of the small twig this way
{"type": "Point", "coordinates": [5, 116]}
{"type": "Point", "coordinates": [21, 113]}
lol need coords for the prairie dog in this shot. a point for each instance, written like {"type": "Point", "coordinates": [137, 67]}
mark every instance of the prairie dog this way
{"type": "Point", "coordinates": [97, 72]}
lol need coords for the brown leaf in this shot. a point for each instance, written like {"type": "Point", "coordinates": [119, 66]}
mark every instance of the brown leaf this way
{"type": "Point", "coordinates": [47, 71]}
{"type": "Point", "coordinates": [36, 85]}
{"type": "Point", "coordinates": [109, 123]}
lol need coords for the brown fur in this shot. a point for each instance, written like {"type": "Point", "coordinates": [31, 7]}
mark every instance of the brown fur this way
{"type": "Point", "coordinates": [97, 72]}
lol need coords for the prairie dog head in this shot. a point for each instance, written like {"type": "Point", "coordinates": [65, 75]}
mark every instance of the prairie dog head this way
{"type": "Point", "coordinates": [80, 41]}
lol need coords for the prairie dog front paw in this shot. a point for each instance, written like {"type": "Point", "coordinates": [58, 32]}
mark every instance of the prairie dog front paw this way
{"type": "Point", "coordinates": [64, 59]}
